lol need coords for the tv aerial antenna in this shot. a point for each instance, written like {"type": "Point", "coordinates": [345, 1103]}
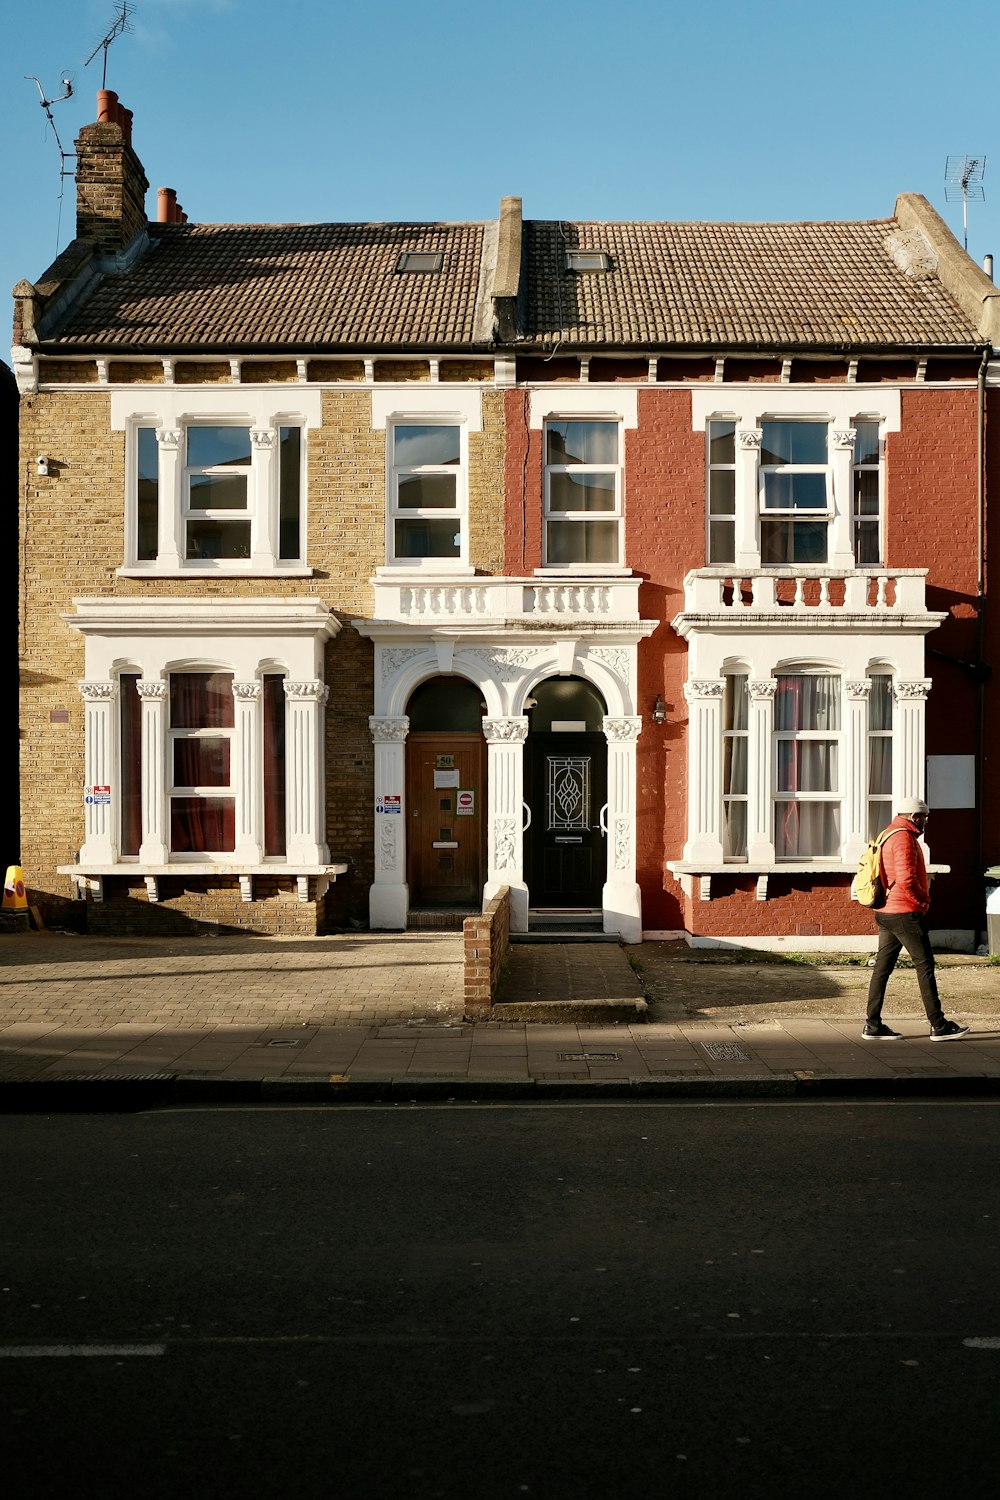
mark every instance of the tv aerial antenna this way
{"type": "Point", "coordinates": [963, 178]}
{"type": "Point", "coordinates": [121, 24]}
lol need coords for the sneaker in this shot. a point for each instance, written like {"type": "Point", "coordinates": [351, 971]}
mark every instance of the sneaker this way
{"type": "Point", "coordinates": [946, 1031]}
{"type": "Point", "coordinates": [877, 1031]}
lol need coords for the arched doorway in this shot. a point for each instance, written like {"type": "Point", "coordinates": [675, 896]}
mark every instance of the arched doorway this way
{"type": "Point", "coordinates": [566, 779]}
{"type": "Point", "coordinates": [445, 793]}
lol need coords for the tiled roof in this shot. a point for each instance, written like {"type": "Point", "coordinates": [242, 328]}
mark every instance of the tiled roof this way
{"type": "Point", "coordinates": [288, 285]}
{"type": "Point", "coordinates": [734, 284]}
{"type": "Point", "coordinates": [335, 286]}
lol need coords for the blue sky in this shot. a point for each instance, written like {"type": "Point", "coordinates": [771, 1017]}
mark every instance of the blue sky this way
{"type": "Point", "coordinates": [317, 110]}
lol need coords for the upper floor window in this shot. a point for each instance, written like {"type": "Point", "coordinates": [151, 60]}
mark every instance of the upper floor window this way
{"type": "Point", "coordinates": [721, 492]}
{"type": "Point", "coordinates": [867, 510]}
{"type": "Point", "coordinates": [215, 478]}
{"type": "Point", "coordinates": [583, 488]}
{"type": "Point", "coordinates": [794, 492]}
{"type": "Point", "coordinates": [426, 492]}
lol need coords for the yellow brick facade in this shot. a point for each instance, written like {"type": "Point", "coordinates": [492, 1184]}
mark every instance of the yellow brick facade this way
{"type": "Point", "coordinates": [72, 545]}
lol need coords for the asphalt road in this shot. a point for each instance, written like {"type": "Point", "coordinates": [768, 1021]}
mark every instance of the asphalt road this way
{"type": "Point", "coordinates": [499, 1301]}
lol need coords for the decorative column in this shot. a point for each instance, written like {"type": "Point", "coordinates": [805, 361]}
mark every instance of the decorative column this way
{"type": "Point", "coordinates": [389, 896]}
{"type": "Point", "coordinates": [170, 535]}
{"type": "Point", "coordinates": [100, 762]}
{"type": "Point", "coordinates": [264, 525]}
{"type": "Point", "coordinates": [748, 440]}
{"type": "Point", "coordinates": [908, 759]}
{"type": "Point", "coordinates": [621, 899]}
{"type": "Point", "coordinates": [153, 848]}
{"type": "Point", "coordinates": [760, 775]}
{"type": "Point", "coordinates": [704, 765]}
{"type": "Point", "coordinates": [306, 792]}
{"type": "Point", "coordinates": [841, 554]}
{"type": "Point", "coordinates": [854, 835]}
{"type": "Point", "coordinates": [247, 747]}
{"type": "Point", "coordinates": [505, 826]}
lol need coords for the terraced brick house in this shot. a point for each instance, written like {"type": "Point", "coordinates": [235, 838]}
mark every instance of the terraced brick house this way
{"type": "Point", "coordinates": [368, 569]}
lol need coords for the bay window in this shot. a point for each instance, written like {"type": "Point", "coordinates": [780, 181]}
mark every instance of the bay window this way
{"type": "Point", "coordinates": [879, 753]}
{"type": "Point", "coordinates": [735, 719]}
{"type": "Point", "coordinates": [806, 766]}
{"type": "Point", "coordinates": [201, 723]}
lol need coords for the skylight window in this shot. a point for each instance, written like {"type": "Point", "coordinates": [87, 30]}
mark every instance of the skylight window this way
{"type": "Point", "coordinates": [420, 260]}
{"type": "Point", "coordinates": [588, 260]}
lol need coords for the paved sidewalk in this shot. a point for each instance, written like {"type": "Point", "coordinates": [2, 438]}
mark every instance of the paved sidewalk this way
{"type": "Point", "coordinates": [105, 1023]}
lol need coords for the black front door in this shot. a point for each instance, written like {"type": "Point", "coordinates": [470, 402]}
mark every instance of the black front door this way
{"type": "Point", "coordinates": [566, 848]}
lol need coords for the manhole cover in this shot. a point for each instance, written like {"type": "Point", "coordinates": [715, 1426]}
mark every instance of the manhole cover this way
{"type": "Point", "coordinates": [589, 1057]}
{"type": "Point", "coordinates": [726, 1052]}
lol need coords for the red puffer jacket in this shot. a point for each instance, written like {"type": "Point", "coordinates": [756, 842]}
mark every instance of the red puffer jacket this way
{"type": "Point", "coordinates": [904, 870]}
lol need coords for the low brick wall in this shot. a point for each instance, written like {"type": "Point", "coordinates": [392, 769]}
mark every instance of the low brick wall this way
{"type": "Point", "coordinates": [486, 944]}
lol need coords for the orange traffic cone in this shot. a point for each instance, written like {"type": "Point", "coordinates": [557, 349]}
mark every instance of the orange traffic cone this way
{"type": "Point", "coordinates": [14, 898]}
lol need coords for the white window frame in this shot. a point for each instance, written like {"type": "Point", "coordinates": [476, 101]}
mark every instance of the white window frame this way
{"type": "Point", "coordinates": [880, 799]}
{"type": "Point", "coordinates": [395, 472]}
{"type": "Point", "coordinates": [878, 468]}
{"type": "Point", "coordinates": [576, 517]}
{"type": "Point", "coordinates": [172, 410]}
{"type": "Point", "coordinates": [833, 796]}
{"type": "Point", "coordinates": [790, 513]}
{"type": "Point", "coordinates": [730, 736]}
{"type": "Point", "coordinates": [174, 790]}
{"type": "Point", "coordinates": [718, 468]}
{"type": "Point", "coordinates": [841, 408]}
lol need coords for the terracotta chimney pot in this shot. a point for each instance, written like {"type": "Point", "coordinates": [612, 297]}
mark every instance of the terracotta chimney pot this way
{"type": "Point", "coordinates": [166, 203]}
{"type": "Point", "coordinates": [107, 107]}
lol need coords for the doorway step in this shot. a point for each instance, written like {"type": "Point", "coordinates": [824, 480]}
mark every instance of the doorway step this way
{"type": "Point", "coordinates": [582, 924]}
{"type": "Point", "coordinates": [440, 919]}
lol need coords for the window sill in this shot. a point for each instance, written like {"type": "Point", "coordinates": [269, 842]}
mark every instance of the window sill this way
{"type": "Point", "coordinates": [89, 878]}
{"type": "Point", "coordinates": [704, 873]}
{"type": "Point", "coordinates": [585, 570]}
{"type": "Point", "coordinates": [238, 570]}
{"type": "Point", "coordinates": [419, 568]}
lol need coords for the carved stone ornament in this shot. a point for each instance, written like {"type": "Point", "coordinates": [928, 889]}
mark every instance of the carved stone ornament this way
{"type": "Point", "coordinates": [750, 437]}
{"type": "Point", "coordinates": [387, 844]}
{"type": "Point", "coordinates": [152, 690]}
{"type": "Point", "coordinates": [763, 690]}
{"type": "Point", "coordinates": [919, 688]}
{"type": "Point", "coordinates": [388, 731]}
{"type": "Point", "coordinates": [505, 731]}
{"type": "Point", "coordinates": [394, 658]}
{"type": "Point", "coordinates": [616, 658]}
{"type": "Point", "coordinates": [860, 689]}
{"type": "Point", "coordinates": [246, 692]}
{"type": "Point", "coordinates": [307, 692]}
{"type": "Point", "coordinates": [262, 437]}
{"type": "Point", "coordinates": [712, 687]}
{"type": "Point", "coordinates": [623, 843]}
{"type": "Point", "coordinates": [622, 731]}
{"type": "Point", "coordinates": [168, 437]}
{"type": "Point", "coordinates": [505, 833]}
{"type": "Point", "coordinates": [506, 663]}
{"type": "Point", "coordinates": [843, 437]}
{"type": "Point", "coordinates": [98, 692]}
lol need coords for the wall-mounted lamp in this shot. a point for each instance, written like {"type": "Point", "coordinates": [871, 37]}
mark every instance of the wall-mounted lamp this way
{"type": "Point", "coordinates": [42, 465]}
{"type": "Point", "coordinates": [659, 710]}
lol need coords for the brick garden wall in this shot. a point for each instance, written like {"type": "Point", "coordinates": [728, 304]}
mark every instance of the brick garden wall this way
{"type": "Point", "coordinates": [486, 946]}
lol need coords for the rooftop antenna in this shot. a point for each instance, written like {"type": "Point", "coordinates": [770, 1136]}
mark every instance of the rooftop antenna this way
{"type": "Point", "coordinates": [121, 24]}
{"type": "Point", "coordinates": [64, 156]}
{"type": "Point", "coordinates": [963, 178]}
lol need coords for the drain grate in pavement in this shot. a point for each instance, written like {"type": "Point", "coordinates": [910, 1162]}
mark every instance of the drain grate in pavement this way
{"type": "Point", "coordinates": [589, 1057]}
{"type": "Point", "coordinates": [726, 1052]}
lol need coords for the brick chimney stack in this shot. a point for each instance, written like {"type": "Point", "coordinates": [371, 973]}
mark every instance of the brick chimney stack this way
{"type": "Point", "coordinates": [110, 181]}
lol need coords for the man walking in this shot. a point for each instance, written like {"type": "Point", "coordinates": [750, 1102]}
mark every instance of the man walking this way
{"type": "Point", "coordinates": [902, 923]}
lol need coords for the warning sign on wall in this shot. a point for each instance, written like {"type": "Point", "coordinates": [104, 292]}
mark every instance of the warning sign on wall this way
{"type": "Point", "coordinates": [388, 804]}
{"type": "Point", "coordinates": [97, 796]}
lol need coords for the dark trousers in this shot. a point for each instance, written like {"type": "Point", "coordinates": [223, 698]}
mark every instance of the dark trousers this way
{"type": "Point", "coordinates": [907, 930]}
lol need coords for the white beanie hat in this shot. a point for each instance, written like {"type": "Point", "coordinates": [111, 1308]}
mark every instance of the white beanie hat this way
{"type": "Point", "coordinates": [907, 806]}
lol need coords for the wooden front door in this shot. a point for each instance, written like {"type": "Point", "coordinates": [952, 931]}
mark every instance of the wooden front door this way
{"type": "Point", "coordinates": [566, 849]}
{"type": "Point", "coordinates": [445, 793]}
